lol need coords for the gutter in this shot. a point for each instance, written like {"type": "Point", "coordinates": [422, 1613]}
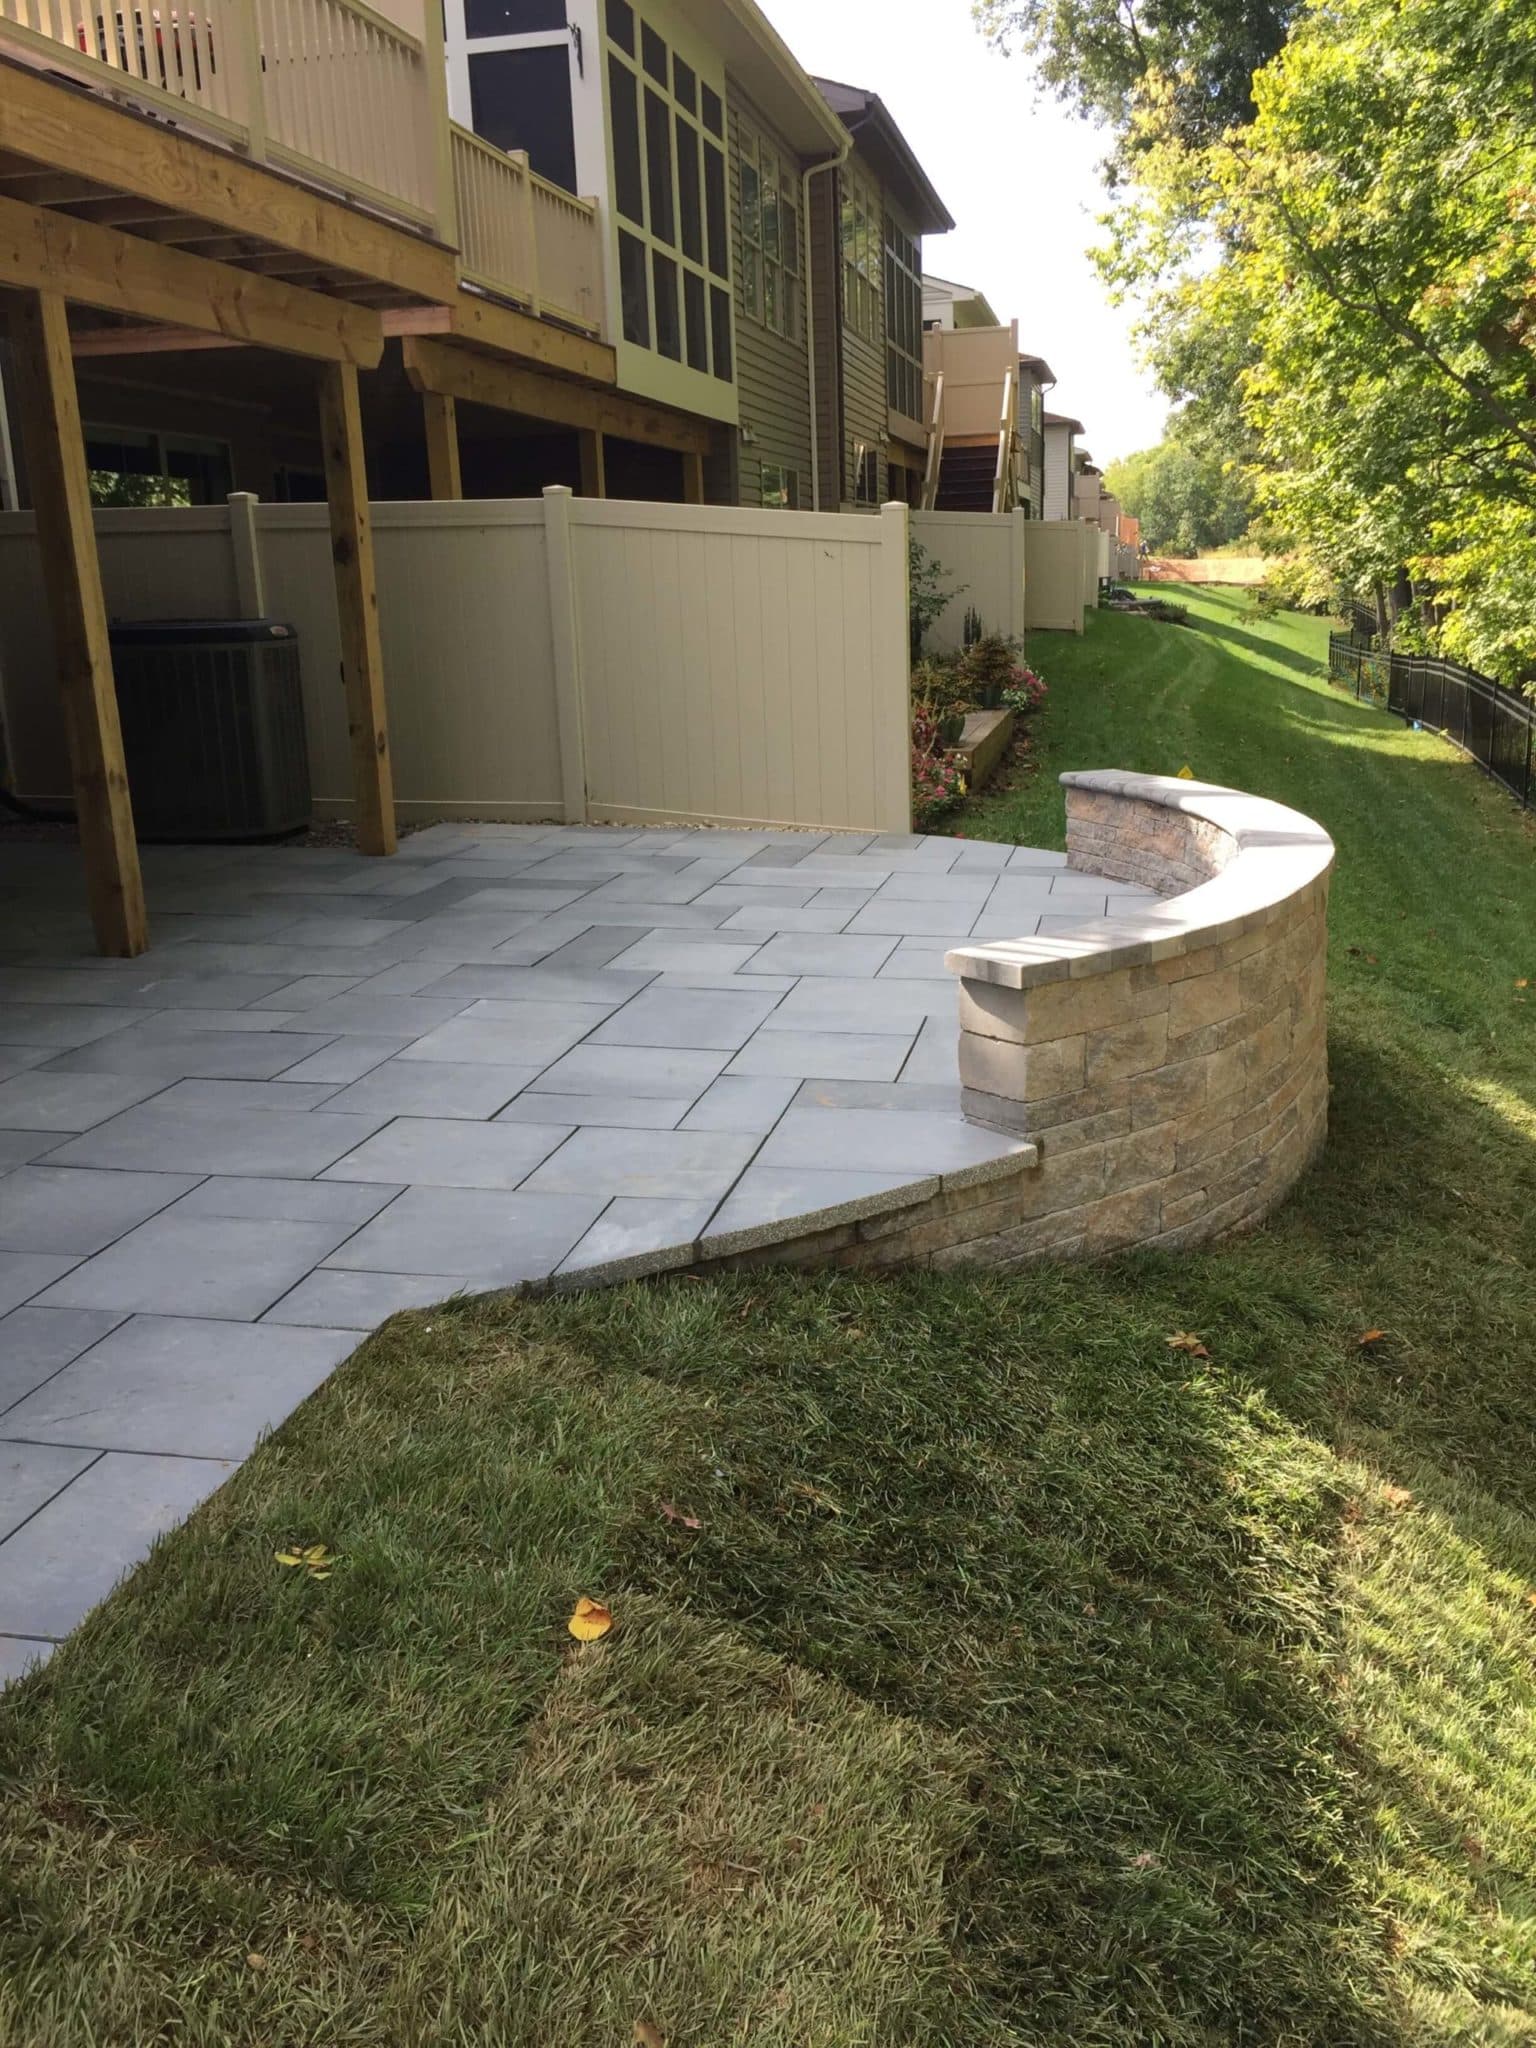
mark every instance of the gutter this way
{"type": "Point", "coordinates": [830, 163]}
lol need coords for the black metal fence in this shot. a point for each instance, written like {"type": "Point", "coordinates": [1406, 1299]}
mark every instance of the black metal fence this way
{"type": "Point", "coordinates": [1497, 727]}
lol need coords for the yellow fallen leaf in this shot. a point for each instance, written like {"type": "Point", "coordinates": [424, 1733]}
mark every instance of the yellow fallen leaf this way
{"type": "Point", "coordinates": [1397, 1496]}
{"type": "Point", "coordinates": [287, 1557]}
{"type": "Point", "coordinates": [255, 1962]}
{"type": "Point", "coordinates": [1523, 982]}
{"type": "Point", "coordinates": [1186, 1340]}
{"type": "Point", "coordinates": [649, 2036]}
{"type": "Point", "coordinates": [1186, 773]}
{"type": "Point", "coordinates": [589, 1620]}
{"type": "Point", "coordinates": [1369, 1337]}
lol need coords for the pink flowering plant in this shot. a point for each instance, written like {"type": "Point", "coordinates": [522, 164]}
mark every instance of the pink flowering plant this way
{"type": "Point", "coordinates": [1025, 692]}
{"type": "Point", "coordinates": [938, 772]}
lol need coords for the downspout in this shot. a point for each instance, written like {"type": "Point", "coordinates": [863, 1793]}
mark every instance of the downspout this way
{"type": "Point", "coordinates": [830, 163]}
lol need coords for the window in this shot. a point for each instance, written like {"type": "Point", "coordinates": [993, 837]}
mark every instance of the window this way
{"type": "Point", "coordinates": [864, 473]}
{"type": "Point", "coordinates": [669, 187]}
{"type": "Point", "coordinates": [903, 322]}
{"type": "Point", "coordinates": [521, 99]}
{"type": "Point", "coordinates": [770, 235]}
{"type": "Point", "coordinates": [130, 467]}
{"type": "Point", "coordinates": [861, 261]}
{"type": "Point", "coordinates": [780, 488]}
{"type": "Point", "coordinates": [511, 17]}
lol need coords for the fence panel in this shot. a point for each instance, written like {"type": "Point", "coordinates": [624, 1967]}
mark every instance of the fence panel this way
{"type": "Point", "coordinates": [464, 622]}
{"type": "Point", "coordinates": [982, 553]}
{"type": "Point", "coordinates": [741, 667]}
{"type": "Point", "coordinates": [1056, 574]}
{"type": "Point", "coordinates": [1495, 726]}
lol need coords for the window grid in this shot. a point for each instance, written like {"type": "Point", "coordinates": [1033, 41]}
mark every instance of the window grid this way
{"type": "Point", "coordinates": [670, 195]}
{"type": "Point", "coordinates": [770, 236]}
{"type": "Point", "coordinates": [860, 234]}
{"type": "Point", "coordinates": [780, 490]}
{"type": "Point", "coordinates": [864, 472]}
{"type": "Point", "coordinates": [903, 322]}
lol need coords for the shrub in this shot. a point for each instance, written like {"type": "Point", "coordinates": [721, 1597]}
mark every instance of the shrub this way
{"type": "Point", "coordinates": [928, 593]}
{"type": "Point", "coordinates": [987, 669]}
{"type": "Point", "coordinates": [1025, 694]}
{"type": "Point", "coordinates": [938, 772]}
{"type": "Point", "coordinates": [936, 688]}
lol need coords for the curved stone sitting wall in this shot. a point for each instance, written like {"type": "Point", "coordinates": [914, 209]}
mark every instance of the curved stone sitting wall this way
{"type": "Point", "coordinates": [1171, 1067]}
{"type": "Point", "coordinates": [1165, 1075]}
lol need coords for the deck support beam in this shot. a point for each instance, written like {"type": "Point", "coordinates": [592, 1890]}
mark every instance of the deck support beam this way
{"type": "Point", "coordinates": [49, 412]}
{"type": "Point", "coordinates": [693, 479]}
{"type": "Point", "coordinates": [433, 365]}
{"type": "Point", "coordinates": [357, 607]}
{"type": "Point", "coordinates": [441, 416]}
{"type": "Point", "coordinates": [594, 467]}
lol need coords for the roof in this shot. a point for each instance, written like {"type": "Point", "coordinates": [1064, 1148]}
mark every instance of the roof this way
{"type": "Point", "coordinates": [868, 120]}
{"type": "Point", "coordinates": [1041, 368]}
{"type": "Point", "coordinates": [1061, 419]}
{"type": "Point", "coordinates": [757, 57]}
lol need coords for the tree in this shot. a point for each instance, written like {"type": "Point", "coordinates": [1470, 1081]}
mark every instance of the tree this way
{"type": "Point", "coordinates": [1106, 56]}
{"type": "Point", "coordinates": [1353, 275]}
{"type": "Point", "coordinates": [1186, 499]}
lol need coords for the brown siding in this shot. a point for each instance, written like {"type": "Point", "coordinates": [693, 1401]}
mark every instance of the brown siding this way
{"type": "Point", "coordinates": [772, 370]}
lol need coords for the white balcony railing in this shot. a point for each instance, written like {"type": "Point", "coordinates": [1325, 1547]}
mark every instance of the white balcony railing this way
{"type": "Point", "coordinates": [524, 238]}
{"type": "Point", "coordinates": [328, 88]}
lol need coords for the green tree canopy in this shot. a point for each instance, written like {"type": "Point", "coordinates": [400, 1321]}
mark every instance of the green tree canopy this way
{"type": "Point", "coordinates": [1186, 499]}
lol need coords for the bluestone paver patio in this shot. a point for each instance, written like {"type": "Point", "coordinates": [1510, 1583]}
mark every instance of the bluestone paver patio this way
{"type": "Point", "coordinates": [339, 1087]}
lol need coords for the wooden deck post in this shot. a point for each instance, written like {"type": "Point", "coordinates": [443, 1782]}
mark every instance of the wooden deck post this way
{"type": "Point", "coordinates": [594, 468]}
{"type": "Point", "coordinates": [693, 479]}
{"type": "Point", "coordinates": [357, 607]}
{"type": "Point", "coordinates": [48, 409]}
{"type": "Point", "coordinates": [441, 416]}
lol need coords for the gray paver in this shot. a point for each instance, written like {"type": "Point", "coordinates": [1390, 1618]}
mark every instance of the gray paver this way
{"type": "Point", "coordinates": [242, 1141]}
{"type": "Point", "coordinates": [825, 1055]}
{"type": "Point", "coordinates": [159, 1051]}
{"type": "Point", "coordinates": [36, 1342]}
{"type": "Point", "coordinates": [700, 1019]}
{"type": "Point", "coordinates": [24, 1274]}
{"type": "Point", "coordinates": [59, 1024]}
{"type": "Point", "coordinates": [637, 1070]}
{"type": "Point", "coordinates": [450, 1152]}
{"type": "Point", "coordinates": [433, 1088]}
{"type": "Point", "coordinates": [629, 1228]}
{"type": "Point", "coordinates": [17, 1147]}
{"type": "Point", "coordinates": [812, 953]}
{"type": "Point", "coordinates": [346, 1059]}
{"type": "Point", "coordinates": [541, 984]}
{"type": "Point", "coordinates": [750, 1103]}
{"type": "Point", "coordinates": [229, 1267]}
{"type": "Point", "coordinates": [30, 1475]}
{"type": "Point", "coordinates": [270, 1095]}
{"type": "Point", "coordinates": [769, 1194]}
{"type": "Point", "coordinates": [619, 1112]}
{"type": "Point", "coordinates": [470, 1233]}
{"type": "Point", "coordinates": [46, 1100]}
{"type": "Point", "coordinates": [879, 1141]}
{"type": "Point", "coordinates": [73, 1209]}
{"type": "Point", "coordinates": [295, 1201]}
{"type": "Point", "coordinates": [20, 1059]}
{"type": "Point", "coordinates": [494, 1033]}
{"type": "Point", "coordinates": [71, 1554]}
{"type": "Point", "coordinates": [177, 1383]}
{"type": "Point", "coordinates": [364, 1013]}
{"type": "Point", "coordinates": [685, 1165]}
{"type": "Point", "coordinates": [361, 1301]}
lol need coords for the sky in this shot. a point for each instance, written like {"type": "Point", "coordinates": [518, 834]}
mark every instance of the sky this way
{"type": "Point", "coordinates": [1017, 172]}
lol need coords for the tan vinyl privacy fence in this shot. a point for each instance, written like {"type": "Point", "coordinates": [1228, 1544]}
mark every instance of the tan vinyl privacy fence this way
{"type": "Point", "coordinates": [1058, 554]}
{"type": "Point", "coordinates": [983, 556]}
{"type": "Point", "coordinates": [556, 658]}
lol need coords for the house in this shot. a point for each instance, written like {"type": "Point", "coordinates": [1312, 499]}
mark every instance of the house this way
{"type": "Point", "coordinates": [1060, 433]}
{"type": "Point", "coordinates": [1036, 377]}
{"type": "Point", "coordinates": [948, 305]}
{"type": "Point", "coordinates": [868, 218]}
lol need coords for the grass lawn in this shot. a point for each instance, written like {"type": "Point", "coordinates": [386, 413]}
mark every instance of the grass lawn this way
{"type": "Point", "coordinates": [1024, 1682]}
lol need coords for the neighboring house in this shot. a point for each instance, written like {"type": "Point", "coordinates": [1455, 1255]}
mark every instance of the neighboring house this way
{"type": "Point", "coordinates": [868, 220]}
{"type": "Point", "coordinates": [1061, 433]}
{"type": "Point", "coordinates": [1036, 377]}
{"type": "Point", "coordinates": [1088, 484]}
{"type": "Point", "coordinates": [948, 305]}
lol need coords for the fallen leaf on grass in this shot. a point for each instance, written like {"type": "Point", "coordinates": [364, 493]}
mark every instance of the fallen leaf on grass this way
{"type": "Point", "coordinates": [676, 1515]}
{"type": "Point", "coordinates": [649, 2036]}
{"type": "Point", "coordinates": [1369, 1337]}
{"type": "Point", "coordinates": [1397, 1496]}
{"type": "Point", "coordinates": [1186, 773]}
{"type": "Point", "coordinates": [1186, 1340]}
{"type": "Point", "coordinates": [1523, 982]}
{"type": "Point", "coordinates": [589, 1620]}
{"type": "Point", "coordinates": [255, 1962]}
{"type": "Point", "coordinates": [315, 1558]}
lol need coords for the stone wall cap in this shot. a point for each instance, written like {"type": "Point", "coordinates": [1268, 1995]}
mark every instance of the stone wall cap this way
{"type": "Point", "coordinates": [1277, 854]}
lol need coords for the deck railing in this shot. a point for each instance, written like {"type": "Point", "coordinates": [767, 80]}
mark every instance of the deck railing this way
{"type": "Point", "coordinates": [525, 239]}
{"type": "Point", "coordinates": [330, 89]}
